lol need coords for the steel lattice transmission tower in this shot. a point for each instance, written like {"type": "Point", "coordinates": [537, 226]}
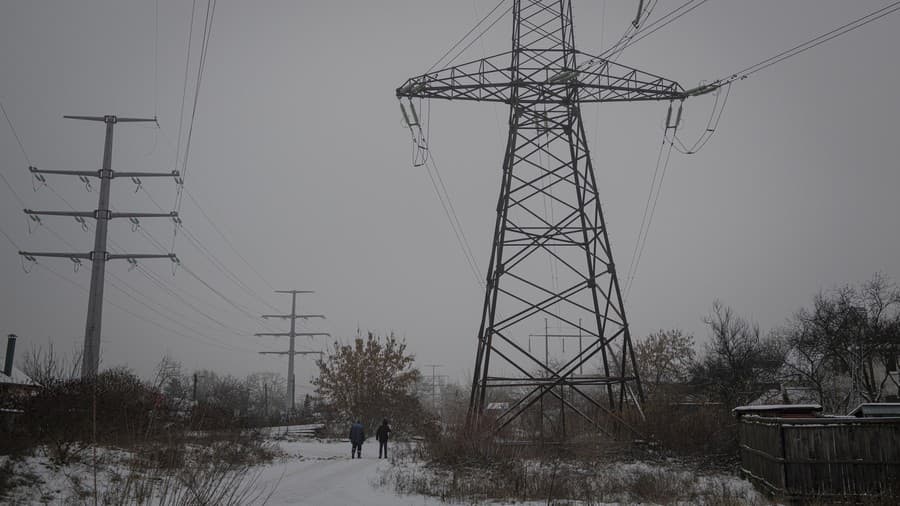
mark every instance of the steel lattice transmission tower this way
{"type": "Point", "coordinates": [544, 79]}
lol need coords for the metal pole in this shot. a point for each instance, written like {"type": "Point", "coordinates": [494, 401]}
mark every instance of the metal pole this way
{"type": "Point", "coordinates": [546, 344]}
{"type": "Point", "coordinates": [91, 352]}
{"type": "Point", "coordinates": [291, 385]}
{"type": "Point", "coordinates": [195, 387]}
{"type": "Point", "coordinates": [581, 366]}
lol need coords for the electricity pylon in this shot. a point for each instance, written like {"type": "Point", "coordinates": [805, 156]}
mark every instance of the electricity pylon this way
{"type": "Point", "coordinates": [544, 79]}
{"type": "Point", "coordinates": [292, 334]}
{"type": "Point", "coordinates": [99, 256]}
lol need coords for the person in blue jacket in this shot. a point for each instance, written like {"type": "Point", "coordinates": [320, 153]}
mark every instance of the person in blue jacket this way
{"type": "Point", "coordinates": [357, 436]}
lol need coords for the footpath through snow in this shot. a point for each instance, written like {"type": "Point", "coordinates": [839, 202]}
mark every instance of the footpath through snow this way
{"type": "Point", "coordinates": [319, 473]}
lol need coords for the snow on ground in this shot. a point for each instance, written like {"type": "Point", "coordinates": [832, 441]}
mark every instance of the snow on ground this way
{"type": "Point", "coordinates": [319, 473]}
{"type": "Point", "coordinates": [308, 472]}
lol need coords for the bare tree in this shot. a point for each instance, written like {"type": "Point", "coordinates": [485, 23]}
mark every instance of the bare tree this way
{"type": "Point", "coordinates": [47, 368]}
{"type": "Point", "coordinates": [738, 363]}
{"type": "Point", "coordinates": [666, 356]}
{"type": "Point", "coordinates": [846, 345]}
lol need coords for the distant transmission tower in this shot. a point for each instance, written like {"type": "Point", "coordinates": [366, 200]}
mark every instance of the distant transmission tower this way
{"type": "Point", "coordinates": [544, 79]}
{"type": "Point", "coordinates": [99, 256]}
{"type": "Point", "coordinates": [291, 351]}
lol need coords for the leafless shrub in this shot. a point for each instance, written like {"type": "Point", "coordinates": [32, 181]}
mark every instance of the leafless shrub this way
{"type": "Point", "coordinates": [48, 368]}
{"type": "Point", "coordinates": [209, 469]}
{"type": "Point", "coordinates": [215, 483]}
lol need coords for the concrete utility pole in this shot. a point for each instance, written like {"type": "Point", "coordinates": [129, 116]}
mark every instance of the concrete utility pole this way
{"type": "Point", "coordinates": [290, 354]}
{"type": "Point", "coordinates": [99, 256]}
{"type": "Point", "coordinates": [292, 334]}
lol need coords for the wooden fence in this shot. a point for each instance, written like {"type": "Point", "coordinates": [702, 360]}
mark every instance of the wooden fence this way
{"type": "Point", "coordinates": [822, 457]}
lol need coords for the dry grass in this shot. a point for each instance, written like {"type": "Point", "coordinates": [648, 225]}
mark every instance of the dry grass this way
{"type": "Point", "coordinates": [475, 469]}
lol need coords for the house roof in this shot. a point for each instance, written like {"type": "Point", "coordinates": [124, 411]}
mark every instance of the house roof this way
{"type": "Point", "coordinates": [775, 409]}
{"type": "Point", "coordinates": [869, 409]}
{"type": "Point", "coordinates": [17, 377]}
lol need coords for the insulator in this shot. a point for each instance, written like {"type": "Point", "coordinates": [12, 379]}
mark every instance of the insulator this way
{"type": "Point", "coordinates": [565, 75]}
{"type": "Point", "coordinates": [669, 117]}
{"type": "Point", "coordinates": [40, 178]}
{"type": "Point", "coordinates": [637, 19]}
{"type": "Point", "coordinates": [412, 109]}
{"type": "Point", "coordinates": [35, 218]}
{"type": "Point", "coordinates": [30, 258]}
{"type": "Point", "coordinates": [405, 116]}
{"type": "Point", "coordinates": [678, 117]}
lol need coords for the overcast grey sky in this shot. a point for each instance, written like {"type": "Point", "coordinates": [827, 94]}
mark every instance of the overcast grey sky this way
{"type": "Point", "coordinates": [300, 158]}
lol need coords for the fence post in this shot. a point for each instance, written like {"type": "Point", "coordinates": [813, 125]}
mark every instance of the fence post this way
{"type": "Point", "coordinates": [784, 480]}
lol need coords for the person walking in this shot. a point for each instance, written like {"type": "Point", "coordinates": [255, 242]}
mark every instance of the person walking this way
{"type": "Point", "coordinates": [357, 436]}
{"type": "Point", "coordinates": [382, 435]}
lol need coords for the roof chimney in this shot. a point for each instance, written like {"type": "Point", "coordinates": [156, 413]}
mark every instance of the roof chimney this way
{"type": "Point", "coordinates": [10, 353]}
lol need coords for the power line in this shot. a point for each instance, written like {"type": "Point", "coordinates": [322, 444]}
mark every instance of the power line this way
{"type": "Point", "coordinates": [139, 316]}
{"type": "Point", "coordinates": [660, 23]}
{"type": "Point", "coordinates": [227, 240]}
{"type": "Point", "coordinates": [204, 45]}
{"type": "Point", "coordinates": [187, 62]}
{"type": "Point", "coordinates": [649, 221]}
{"type": "Point", "coordinates": [460, 41]}
{"type": "Point", "coordinates": [470, 261]}
{"type": "Point", "coordinates": [15, 134]}
{"type": "Point", "coordinates": [10, 239]}
{"type": "Point", "coordinates": [811, 43]}
{"type": "Point", "coordinates": [455, 219]}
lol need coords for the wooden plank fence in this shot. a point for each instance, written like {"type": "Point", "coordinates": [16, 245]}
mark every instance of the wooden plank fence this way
{"type": "Point", "coordinates": [822, 458]}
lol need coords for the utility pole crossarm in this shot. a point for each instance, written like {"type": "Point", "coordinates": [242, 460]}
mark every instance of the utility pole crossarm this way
{"type": "Point", "coordinates": [288, 353]}
{"type": "Point", "coordinates": [83, 214]}
{"type": "Point", "coordinates": [172, 214]}
{"type": "Point", "coordinates": [95, 214]}
{"type": "Point", "coordinates": [289, 334]}
{"type": "Point", "coordinates": [286, 316]}
{"type": "Point", "coordinates": [99, 173]}
{"type": "Point", "coordinates": [113, 119]}
{"type": "Point", "coordinates": [26, 254]}
{"type": "Point", "coordinates": [172, 256]}
{"type": "Point", "coordinates": [492, 80]}
{"type": "Point", "coordinates": [91, 256]}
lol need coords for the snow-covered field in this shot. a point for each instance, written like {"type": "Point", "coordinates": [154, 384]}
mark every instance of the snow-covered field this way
{"type": "Point", "coordinates": [308, 472]}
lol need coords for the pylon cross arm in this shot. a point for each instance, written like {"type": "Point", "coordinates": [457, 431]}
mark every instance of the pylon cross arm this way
{"type": "Point", "coordinates": [492, 79]}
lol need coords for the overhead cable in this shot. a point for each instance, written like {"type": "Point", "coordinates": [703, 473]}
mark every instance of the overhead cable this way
{"type": "Point", "coordinates": [460, 41]}
{"type": "Point", "coordinates": [811, 43]}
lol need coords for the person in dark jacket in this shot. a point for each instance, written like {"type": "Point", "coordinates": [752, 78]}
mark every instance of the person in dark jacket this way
{"type": "Point", "coordinates": [357, 436]}
{"type": "Point", "coordinates": [382, 435]}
